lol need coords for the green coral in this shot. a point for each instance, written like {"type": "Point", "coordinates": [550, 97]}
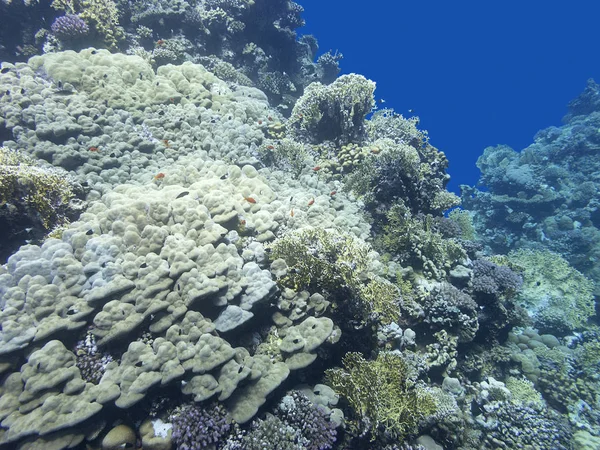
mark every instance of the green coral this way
{"type": "Point", "coordinates": [44, 191]}
{"type": "Point", "coordinates": [336, 111]}
{"type": "Point", "coordinates": [464, 220]}
{"type": "Point", "coordinates": [415, 242]}
{"type": "Point", "coordinates": [383, 394]}
{"type": "Point", "coordinates": [588, 356]}
{"type": "Point", "coordinates": [286, 154]}
{"type": "Point", "coordinates": [330, 260]}
{"type": "Point", "coordinates": [103, 15]}
{"type": "Point", "coordinates": [523, 391]}
{"type": "Point", "coordinates": [558, 297]}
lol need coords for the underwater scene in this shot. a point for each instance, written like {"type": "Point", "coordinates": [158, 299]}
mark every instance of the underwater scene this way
{"type": "Point", "coordinates": [211, 237]}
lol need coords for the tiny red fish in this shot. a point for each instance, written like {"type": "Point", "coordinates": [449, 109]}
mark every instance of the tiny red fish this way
{"type": "Point", "coordinates": [250, 200]}
{"type": "Point", "coordinates": [260, 122]}
{"type": "Point", "coordinates": [332, 193]}
{"type": "Point", "coordinates": [93, 149]}
{"type": "Point", "coordinates": [316, 168]}
{"type": "Point", "coordinates": [166, 142]}
{"type": "Point", "coordinates": [159, 176]}
{"type": "Point", "coordinates": [160, 42]}
{"type": "Point", "coordinates": [292, 213]}
{"type": "Point", "coordinates": [311, 201]}
{"type": "Point", "coordinates": [270, 147]}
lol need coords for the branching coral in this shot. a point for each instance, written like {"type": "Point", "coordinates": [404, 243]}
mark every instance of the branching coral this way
{"type": "Point", "coordinates": [334, 112]}
{"type": "Point", "coordinates": [329, 260]}
{"type": "Point", "coordinates": [415, 242]}
{"type": "Point", "coordinates": [103, 15]}
{"type": "Point", "coordinates": [383, 394]}
{"type": "Point", "coordinates": [41, 192]}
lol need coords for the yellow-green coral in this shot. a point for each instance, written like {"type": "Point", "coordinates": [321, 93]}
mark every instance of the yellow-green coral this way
{"type": "Point", "coordinates": [383, 394]}
{"type": "Point", "coordinates": [335, 111]}
{"type": "Point", "coordinates": [40, 190]}
{"type": "Point", "coordinates": [556, 294]}
{"type": "Point", "coordinates": [103, 15]}
{"type": "Point", "coordinates": [415, 242]}
{"type": "Point", "coordinates": [330, 260]}
{"type": "Point", "coordinates": [523, 391]}
{"type": "Point", "coordinates": [464, 219]}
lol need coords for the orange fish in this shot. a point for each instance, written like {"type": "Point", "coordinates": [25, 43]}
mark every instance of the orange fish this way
{"type": "Point", "coordinates": [93, 149]}
{"type": "Point", "coordinates": [332, 193]}
{"type": "Point", "coordinates": [159, 176]}
{"type": "Point", "coordinates": [166, 142]}
{"type": "Point", "coordinates": [250, 200]}
{"type": "Point", "coordinates": [270, 147]}
{"type": "Point", "coordinates": [160, 42]}
{"type": "Point", "coordinates": [316, 168]}
{"type": "Point", "coordinates": [311, 201]}
{"type": "Point", "coordinates": [292, 213]}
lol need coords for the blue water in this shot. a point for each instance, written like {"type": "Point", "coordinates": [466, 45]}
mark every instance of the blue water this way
{"type": "Point", "coordinates": [476, 73]}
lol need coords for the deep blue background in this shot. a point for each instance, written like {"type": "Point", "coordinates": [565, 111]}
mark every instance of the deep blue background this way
{"type": "Point", "coordinates": [477, 73]}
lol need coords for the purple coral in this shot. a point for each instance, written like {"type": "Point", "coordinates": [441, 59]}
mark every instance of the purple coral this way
{"type": "Point", "coordinates": [489, 278]}
{"type": "Point", "coordinates": [196, 427]}
{"type": "Point", "coordinates": [313, 422]}
{"type": "Point", "coordinates": [69, 27]}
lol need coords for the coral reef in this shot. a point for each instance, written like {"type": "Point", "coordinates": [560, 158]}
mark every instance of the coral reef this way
{"type": "Point", "coordinates": [383, 394]}
{"type": "Point", "coordinates": [250, 234]}
{"type": "Point", "coordinates": [33, 199]}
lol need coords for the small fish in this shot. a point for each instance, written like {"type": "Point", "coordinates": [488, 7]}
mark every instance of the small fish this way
{"type": "Point", "coordinates": [411, 111]}
{"type": "Point", "coordinates": [260, 122]}
{"type": "Point", "coordinates": [375, 150]}
{"type": "Point", "coordinates": [93, 149]}
{"type": "Point", "coordinates": [292, 213]}
{"type": "Point", "coordinates": [159, 176]}
{"type": "Point", "coordinates": [4, 70]}
{"type": "Point", "coordinates": [311, 201]}
{"type": "Point", "coordinates": [243, 222]}
{"type": "Point", "coordinates": [316, 168]}
{"type": "Point", "coordinates": [89, 232]}
{"type": "Point", "coordinates": [183, 194]}
{"type": "Point", "coordinates": [224, 176]}
{"type": "Point", "coordinates": [269, 118]}
{"type": "Point", "coordinates": [166, 142]}
{"type": "Point", "coordinates": [332, 193]}
{"type": "Point", "coordinates": [381, 100]}
{"type": "Point", "coordinates": [160, 42]}
{"type": "Point", "coordinates": [250, 200]}
{"type": "Point", "coordinates": [270, 147]}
